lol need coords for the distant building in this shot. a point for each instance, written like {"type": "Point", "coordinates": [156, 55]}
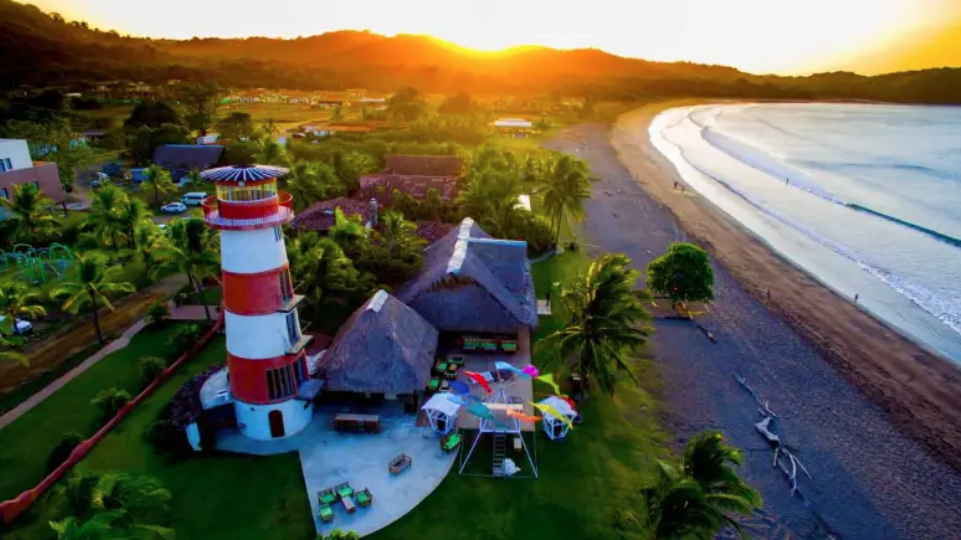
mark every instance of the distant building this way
{"type": "Point", "coordinates": [180, 159]}
{"type": "Point", "coordinates": [321, 216]}
{"type": "Point", "coordinates": [17, 169]}
{"type": "Point", "coordinates": [415, 176]}
{"type": "Point", "coordinates": [515, 127]}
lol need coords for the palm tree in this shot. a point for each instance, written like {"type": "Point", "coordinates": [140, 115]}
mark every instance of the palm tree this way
{"type": "Point", "coordinates": [106, 207]}
{"type": "Point", "coordinates": [158, 181]}
{"type": "Point", "coordinates": [604, 325]}
{"type": "Point", "coordinates": [192, 250]}
{"type": "Point", "coordinates": [567, 184]}
{"type": "Point", "coordinates": [306, 183]}
{"type": "Point", "coordinates": [29, 216]}
{"type": "Point", "coordinates": [15, 301]}
{"type": "Point", "coordinates": [149, 242]}
{"type": "Point", "coordinates": [100, 526]}
{"type": "Point", "coordinates": [92, 287]}
{"type": "Point", "coordinates": [697, 502]}
{"type": "Point", "coordinates": [131, 215]}
{"type": "Point", "coordinates": [348, 233]}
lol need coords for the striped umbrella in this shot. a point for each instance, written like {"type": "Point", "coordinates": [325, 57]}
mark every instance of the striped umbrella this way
{"type": "Point", "coordinates": [243, 173]}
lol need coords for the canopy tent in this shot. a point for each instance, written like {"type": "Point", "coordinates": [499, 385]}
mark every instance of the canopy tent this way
{"type": "Point", "coordinates": [442, 412]}
{"type": "Point", "coordinates": [556, 428]}
{"type": "Point", "coordinates": [504, 430]}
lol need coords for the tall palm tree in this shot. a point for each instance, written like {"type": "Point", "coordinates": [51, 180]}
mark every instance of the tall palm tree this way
{"type": "Point", "coordinates": [29, 216]}
{"type": "Point", "coordinates": [98, 527]}
{"type": "Point", "coordinates": [605, 321]}
{"type": "Point", "coordinates": [106, 206]}
{"type": "Point", "coordinates": [566, 185]}
{"type": "Point", "coordinates": [132, 214]}
{"type": "Point", "coordinates": [91, 288]}
{"type": "Point", "coordinates": [698, 500]}
{"type": "Point", "coordinates": [16, 300]}
{"type": "Point", "coordinates": [158, 182]}
{"type": "Point", "coordinates": [349, 233]}
{"type": "Point", "coordinates": [306, 183]}
{"type": "Point", "coordinates": [193, 249]}
{"type": "Point", "coordinates": [149, 242]}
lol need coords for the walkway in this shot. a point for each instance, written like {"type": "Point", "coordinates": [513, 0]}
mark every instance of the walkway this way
{"type": "Point", "coordinates": [47, 391]}
{"type": "Point", "coordinates": [193, 313]}
{"type": "Point", "coordinates": [53, 350]}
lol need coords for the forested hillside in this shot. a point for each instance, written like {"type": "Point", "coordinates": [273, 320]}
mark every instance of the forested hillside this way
{"type": "Point", "coordinates": [39, 49]}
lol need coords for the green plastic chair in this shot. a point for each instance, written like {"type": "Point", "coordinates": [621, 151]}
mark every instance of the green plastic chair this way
{"type": "Point", "coordinates": [326, 514]}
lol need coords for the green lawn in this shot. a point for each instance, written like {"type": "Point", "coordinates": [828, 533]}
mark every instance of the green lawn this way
{"type": "Point", "coordinates": [588, 485]}
{"type": "Point", "coordinates": [26, 443]}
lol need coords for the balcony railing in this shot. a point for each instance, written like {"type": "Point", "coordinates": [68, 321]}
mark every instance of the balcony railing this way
{"type": "Point", "coordinates": [249, 215]}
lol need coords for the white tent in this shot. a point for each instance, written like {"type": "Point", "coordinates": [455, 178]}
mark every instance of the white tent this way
{"type": "Point", "coordinates": [555, 428]}
{"type": "Point", "coordinates": [442, 412]}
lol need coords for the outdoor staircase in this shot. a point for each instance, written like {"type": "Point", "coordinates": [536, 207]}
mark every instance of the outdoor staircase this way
{"type": "Point", "coordinates": [500, 450]}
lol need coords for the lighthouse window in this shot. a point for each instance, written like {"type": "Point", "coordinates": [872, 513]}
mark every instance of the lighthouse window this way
{"type": "Point", "coordinates": [281, 382]}
{"type": "Point", "coordinates": [278, 234]}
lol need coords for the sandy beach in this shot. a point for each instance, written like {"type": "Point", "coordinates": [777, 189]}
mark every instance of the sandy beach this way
{"type": "Point", "coordinates": [875, 418]}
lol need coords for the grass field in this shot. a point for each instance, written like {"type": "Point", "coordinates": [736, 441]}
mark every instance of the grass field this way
{"type": "Point", "coordinates": [26, 443]}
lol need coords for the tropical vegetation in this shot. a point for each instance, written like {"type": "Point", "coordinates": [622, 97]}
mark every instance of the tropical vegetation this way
{"type": "Point", "coordinates": [682, 274]}
{"type": "Point", "coordinates": [29, 219]}
{"type": "Point", "coordinates": [91, 287]}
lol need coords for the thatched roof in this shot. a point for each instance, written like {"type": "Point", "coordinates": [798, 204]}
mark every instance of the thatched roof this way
{"type": "Point", "coordinates": [321, 216]}
{"type": "Point", "coordinates": [384, 347]}
{"type": "Point", "coordinates": [473, 282]}
{"type": "Point", "coordinates": [382, 186]}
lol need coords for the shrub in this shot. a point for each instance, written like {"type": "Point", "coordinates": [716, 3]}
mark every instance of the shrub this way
{"type": "Point", "coordinates": [150, 368]}
{"type": "Point", "coordinates": [158, 313]}
{"type": "Point", "coordinates": [166, 438]}
{"type": "Point", "coordinates": [61, 452]}
{"type": "Point", "coordinates": [110, 401]}
{"type": "Point", "coordinates": [184, 337]}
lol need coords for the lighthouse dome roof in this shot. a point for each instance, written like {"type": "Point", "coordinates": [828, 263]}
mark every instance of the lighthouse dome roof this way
{"type": "Point", "coordinates": [243, 173]}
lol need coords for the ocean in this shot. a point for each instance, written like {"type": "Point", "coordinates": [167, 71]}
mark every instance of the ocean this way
{"type": "Point", "coordinates": [866, 198]}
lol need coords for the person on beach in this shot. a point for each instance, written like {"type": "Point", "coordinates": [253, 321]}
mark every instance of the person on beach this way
{"type": "Point", "coordinates": [856, 295]}
{"type": "Point", "coordinates": [675, 185]}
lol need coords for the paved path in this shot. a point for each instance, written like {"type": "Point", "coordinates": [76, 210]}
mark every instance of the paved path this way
{"type": "Point", "coordinates": [869, 481]}
{"type": "Point", "coordinates": [38, 398]}
{"type": "Point", "coordinates": [193, 313]}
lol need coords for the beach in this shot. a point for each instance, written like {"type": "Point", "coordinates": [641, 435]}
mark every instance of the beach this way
{"type": "Point", "coordinates": [875, 418]}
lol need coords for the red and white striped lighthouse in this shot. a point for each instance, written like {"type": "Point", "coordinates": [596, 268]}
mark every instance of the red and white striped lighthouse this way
{"type": "Point", "coordinates": [266, 356]}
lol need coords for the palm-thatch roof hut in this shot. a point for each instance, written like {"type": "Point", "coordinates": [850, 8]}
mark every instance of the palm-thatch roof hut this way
{"type": "Point", "coordinates": [385, 347]}
{"type": "Point", "coordinates": [472, 282]}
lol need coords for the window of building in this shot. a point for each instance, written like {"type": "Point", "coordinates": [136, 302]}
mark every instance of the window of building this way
{"type": "Point", "coordinates": [282, 382]}
{"type": "Point", "coordinates": [286, 289]}
{"type": "Point", "coordinates": [9, 164]}
{"type": "Point", "coordinates": [5, 194]}
{"type": "Point", "coordinates": [36, 184]}
{"type": "Point", "coordinates": [278, 234]}
{"type": "Point", "coordinates": [293, 327]}
{"type": "Point", "coordinates": [4, 165]}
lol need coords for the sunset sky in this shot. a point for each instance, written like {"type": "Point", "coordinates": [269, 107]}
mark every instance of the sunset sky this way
{"type": "Point", "coordinates": [781, 36]}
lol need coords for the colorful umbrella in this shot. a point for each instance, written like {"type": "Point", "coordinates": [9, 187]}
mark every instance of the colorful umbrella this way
{"type": "Point", "coordinates": [554, 412]}
{"type": "Point", "coordinates": [531, 370]}
{"type": "Point", "coordinates": [521, 416]}
{"type": "Point", "coordinates": [459, 387]}
{"type": "Point", "coordinates": [549, 379]}
{"type": "Point", "coordinates": [479, 379]}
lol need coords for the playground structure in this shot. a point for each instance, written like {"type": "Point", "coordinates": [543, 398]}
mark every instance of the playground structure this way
{"type": "Point", "coordinates": [37, 265]}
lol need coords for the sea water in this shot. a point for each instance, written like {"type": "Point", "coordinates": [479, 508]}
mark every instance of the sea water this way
{"type": "Point", "coordinates": [867, 198]}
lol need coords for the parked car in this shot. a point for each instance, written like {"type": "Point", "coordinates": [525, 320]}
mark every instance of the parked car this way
{"type": "Point", "coordinates": [194, 198]}
{"type": "Point", "coordinates": [174, 208]}
{"type": "Point", "coordinates": [23, 327]}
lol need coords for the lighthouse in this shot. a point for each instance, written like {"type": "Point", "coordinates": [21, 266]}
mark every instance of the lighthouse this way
{"type": "Point", "coordinates": [266, 357]}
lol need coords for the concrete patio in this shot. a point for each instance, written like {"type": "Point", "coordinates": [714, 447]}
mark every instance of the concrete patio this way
{"type": "Point", "coordinates": [329, 458]}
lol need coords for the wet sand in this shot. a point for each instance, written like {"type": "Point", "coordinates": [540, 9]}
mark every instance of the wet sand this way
{"type": "Point", "coordinates": [874, 418]}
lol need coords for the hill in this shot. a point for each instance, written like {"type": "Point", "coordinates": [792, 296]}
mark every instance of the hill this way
{"type": "Point", "coordinates": [39, 49]}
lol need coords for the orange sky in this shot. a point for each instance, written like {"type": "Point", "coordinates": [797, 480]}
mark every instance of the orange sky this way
{"type": "Point", "coordinates": [780, 36]}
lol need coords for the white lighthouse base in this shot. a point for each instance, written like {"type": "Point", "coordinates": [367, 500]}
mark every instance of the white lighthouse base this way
{"type": "Point", "coordinates": [273, 421]}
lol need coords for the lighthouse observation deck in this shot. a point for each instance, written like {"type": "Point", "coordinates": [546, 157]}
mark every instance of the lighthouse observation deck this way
{"type": "Point", "coordinates": [232, 215]}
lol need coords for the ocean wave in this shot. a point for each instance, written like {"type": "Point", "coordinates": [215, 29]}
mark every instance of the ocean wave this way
{"type": "Point", "coordinates": [771, 166]}
{"type": "Point", "coordinates": [944, 308]}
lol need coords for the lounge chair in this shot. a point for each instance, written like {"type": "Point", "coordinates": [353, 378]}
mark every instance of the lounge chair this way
{"type": "Point", "coordinates": [450, 442]}
{"type": "Point", "coordinates": [344, 490]}
{"type": "Point", "coordinates": [326, 497]}
{"type": "Point", "coordinates": [441, 367]}
{"type": "Point", "coordinates": [433, 385]}
{"type": "Point", "coordinates": [456, 361]}
{"type": "Point", "coordinates": [364, 498]}
{"type": "Point", "coordinates": [326, 514]}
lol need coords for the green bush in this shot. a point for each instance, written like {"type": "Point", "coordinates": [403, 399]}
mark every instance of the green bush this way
{"type": "Point", "coordinates": [110, 401]}
{"type": "Point", "coordinates": [168, 439]}
{"type": "Point", "coordinates": [184, 337]}
{"type": "Point", "coordinates": [150, 368]}
{"type": "Point", "coordinates": [61, 452]}
{"type": "Point", "coordinates": [158, 313]}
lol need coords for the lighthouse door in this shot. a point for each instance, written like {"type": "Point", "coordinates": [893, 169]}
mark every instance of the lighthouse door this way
{"type": "Point", "coordinates": [276, 419]}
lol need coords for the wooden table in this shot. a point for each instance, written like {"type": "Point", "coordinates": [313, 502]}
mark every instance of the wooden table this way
{"type": "Point", "coordinates": [369, 423]}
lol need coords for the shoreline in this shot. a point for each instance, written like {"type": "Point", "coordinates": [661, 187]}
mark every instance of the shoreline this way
{"type": "Point", "coordinates": [919, 390]}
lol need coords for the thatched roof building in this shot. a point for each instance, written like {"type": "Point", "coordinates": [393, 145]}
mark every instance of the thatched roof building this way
{"type": "Point", "coordinates": [471, 282]}
{"type": "Point", "coordinates": [384, 347]}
